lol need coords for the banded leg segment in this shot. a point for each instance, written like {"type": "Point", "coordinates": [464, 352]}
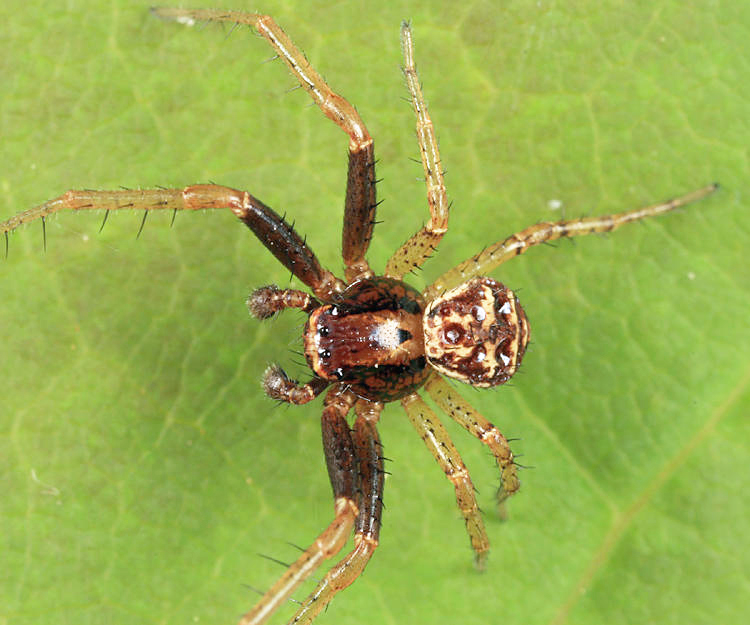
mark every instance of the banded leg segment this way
{"type": "Point", "coordinates": [495, 255]}
{"type": "Point", "coordinates": [137, 199]}
{"type": "Point", "coordinates": [359, 213]}
{"type": "Point", "coordinates": [273, 231]}
{"type": "Point", "coordinates": [420, 247]}
{"type": "Point", "coordinates": [342, 470]}
{"type": "Point", "coordinates": [442, 448]}
{"type": "Point", "coordinates": [371, 475]}
{"type": "Point", "coordinates": [467, 417]}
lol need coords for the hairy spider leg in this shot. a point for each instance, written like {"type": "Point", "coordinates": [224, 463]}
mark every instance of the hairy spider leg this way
{"type": "Point", "coordinates": [360, 204]}
{"type": "Point", "coordinates": [473, 422]}
{"type": "Point", "coordinates": [495, 255]}
{"type": "Point", "coordinates": [421, 245]}
{"type": "Point", "coordinates": [436, 437]}
{"type": "Point", "coordinates": [369, 454]}
{"type": "Point", "coordinates": [341, 459]}
{"type": "Point", "coordinates": [272, 230]}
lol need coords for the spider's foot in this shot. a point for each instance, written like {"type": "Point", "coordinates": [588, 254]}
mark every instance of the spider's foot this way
{"type": "Point", "coordinates": [509, 485]}
{"type": "Point", "coordinates": [509, 482]}
{"type": "Point", "coordinates": [277, 385]}
{"type": "Point", "coordinates": [480, 561]}
{"type": "Point", "coordinates": [263, 302]}
{"type": "Point", "coordinates": [266, 301]}
{"type": "Point", "coordinates": [502, 509]}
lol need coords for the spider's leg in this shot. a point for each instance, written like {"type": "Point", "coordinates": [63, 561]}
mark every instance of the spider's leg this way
{"type": "Point", "coordinates": [272, 230]}
{"type": "Point", "coordinates": [359, 214]}
{"type": "Point", "coordinates": [420, 246]}
{"type": "Point", "coordinates": [494, 255]}
{"type": "Point", "coordinates": [342, 471]}
{"type": "Point", "coordinates": [442, 448]}
{"type": "Point", "coordinates": [359, 211]}
{"type": "Point", "coordinates": [266, 301]}
{"type": "Point", "coordinates": [370, 457]}
{"type": "Point", "coordinates": [465, 415]}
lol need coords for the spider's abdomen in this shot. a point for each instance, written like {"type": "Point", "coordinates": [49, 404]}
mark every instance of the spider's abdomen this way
{"type": "Point", "coordinates": [371, 339]}
{"type": "Point", "coordinates": [476, 332]}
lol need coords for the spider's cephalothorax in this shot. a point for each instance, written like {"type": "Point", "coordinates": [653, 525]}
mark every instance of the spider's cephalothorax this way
{"type": "Point", "coordinates": [377, 338]}
{"type": "Point", "coordinates": [370, 339]}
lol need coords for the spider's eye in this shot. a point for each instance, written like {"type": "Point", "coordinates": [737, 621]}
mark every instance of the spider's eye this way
{"type": "Point", "coordinates": [476, 333]}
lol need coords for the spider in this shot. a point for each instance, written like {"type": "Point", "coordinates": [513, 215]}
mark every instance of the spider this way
{"type": "Point", "coordinates": [372, 339]}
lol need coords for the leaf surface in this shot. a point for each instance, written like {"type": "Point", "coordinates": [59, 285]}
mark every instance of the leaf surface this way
{"type": "Point", "coordinates": [142, 468]}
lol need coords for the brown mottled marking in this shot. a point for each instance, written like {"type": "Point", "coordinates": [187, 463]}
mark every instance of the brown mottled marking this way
{"type": "Point", "coordinates": [476, 332]}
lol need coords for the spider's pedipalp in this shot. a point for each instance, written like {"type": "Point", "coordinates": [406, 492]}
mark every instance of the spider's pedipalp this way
{"type": "Point", "coordinates": [266, 301]}
{"type": "Point", "coordinates": [277, 385]}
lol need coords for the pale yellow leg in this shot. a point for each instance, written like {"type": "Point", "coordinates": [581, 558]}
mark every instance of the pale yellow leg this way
{"type": "Point", "coordinates": [333, 105]}
{"type": "Point", "coordinates": [360, 206]}
{"type": "Point", "coordinates": [328, 544]}
{"type": "Point", "coordinates": [442, 448]}
{"type": "Point", "coordinates": [494, 255]}
{"type": "Point", "coordinates": [465, 415]}
{"type": "Point", "coordinates": [421, 246]}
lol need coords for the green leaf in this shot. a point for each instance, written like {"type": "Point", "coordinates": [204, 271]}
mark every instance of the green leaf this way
{"type": "Point", "coordinates": [142, 469]}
